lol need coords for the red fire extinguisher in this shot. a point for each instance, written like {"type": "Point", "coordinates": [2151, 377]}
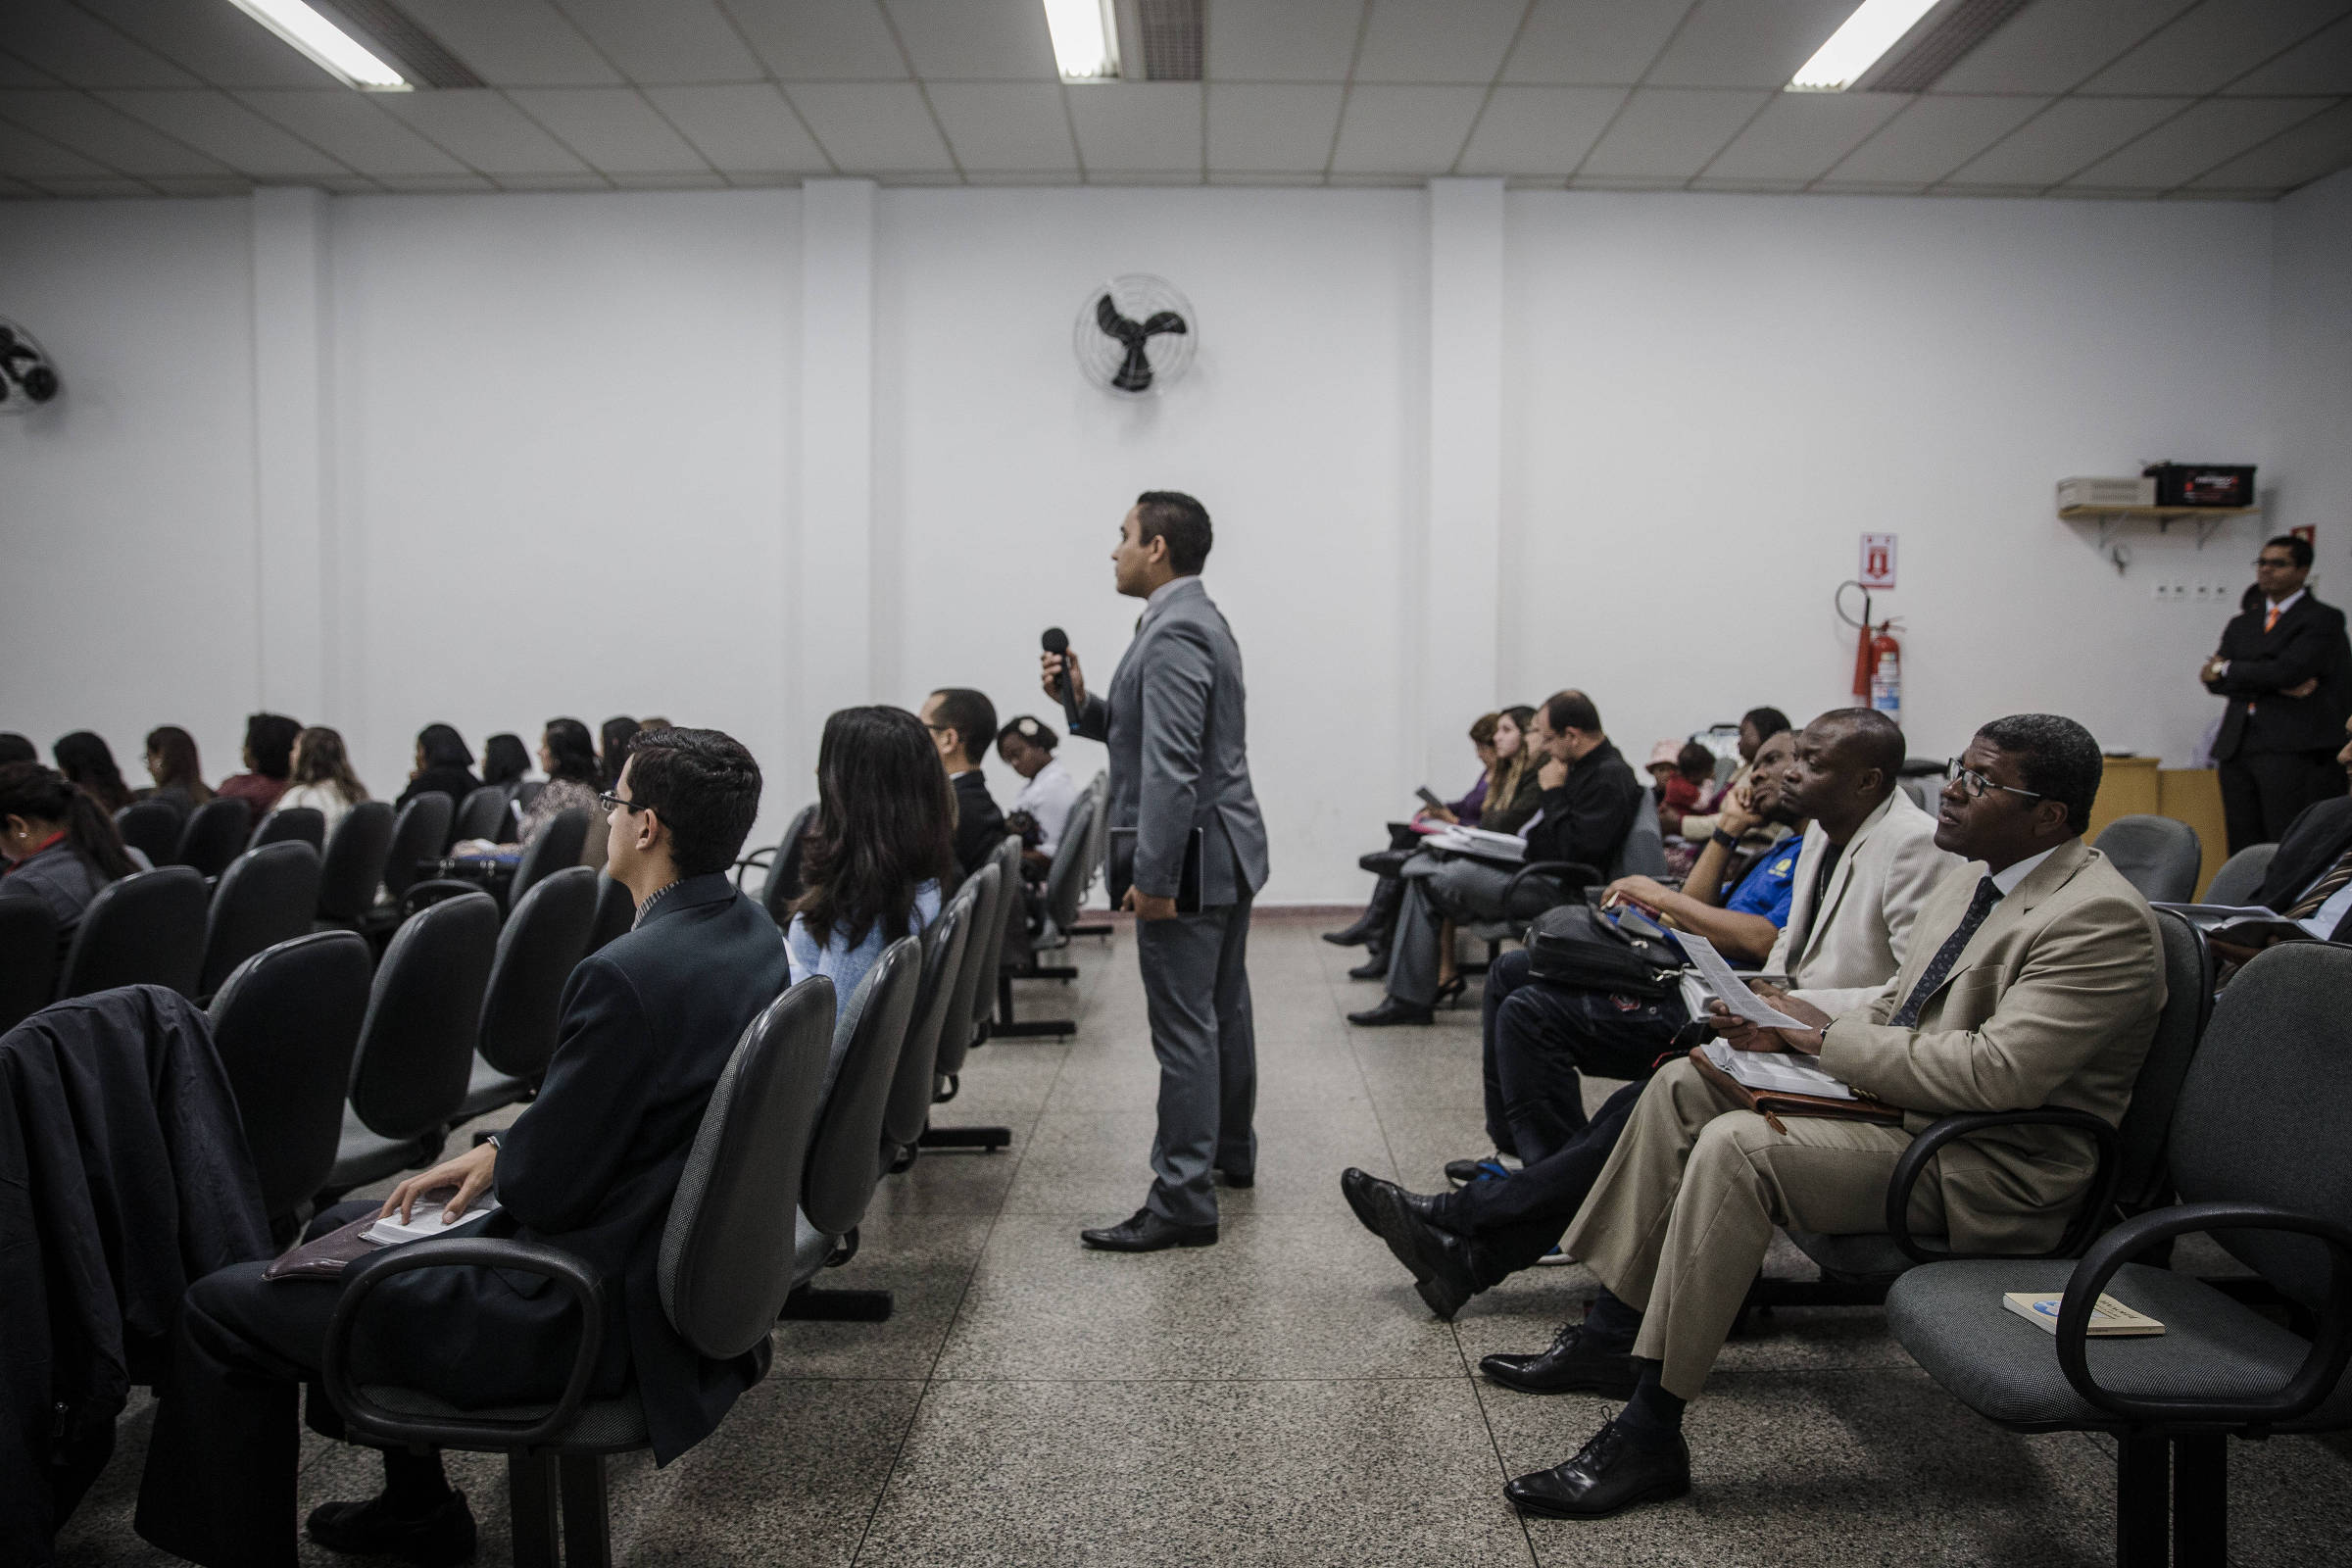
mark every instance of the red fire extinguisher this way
{"type": "Point", "coordinates": [1878, 658]}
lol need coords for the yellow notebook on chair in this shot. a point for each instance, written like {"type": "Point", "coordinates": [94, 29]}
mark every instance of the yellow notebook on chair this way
{"type": "Point", "coordinates": [2109, 1318]}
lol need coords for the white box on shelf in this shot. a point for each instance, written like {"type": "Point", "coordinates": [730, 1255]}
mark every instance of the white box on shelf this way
{"type": "Point", "coordinates": [2116, 492]}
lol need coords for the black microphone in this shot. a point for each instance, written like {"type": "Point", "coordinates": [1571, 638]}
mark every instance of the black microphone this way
{"type": "Point", "coordinates": [1058, 641]}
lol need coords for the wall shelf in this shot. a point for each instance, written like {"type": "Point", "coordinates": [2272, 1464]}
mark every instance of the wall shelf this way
{"type": "Point", "coordinates": [2110, 518]}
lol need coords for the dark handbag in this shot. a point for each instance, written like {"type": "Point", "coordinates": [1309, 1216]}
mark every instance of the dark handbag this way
{"type": "Point", "coordinates": [1573, 945]}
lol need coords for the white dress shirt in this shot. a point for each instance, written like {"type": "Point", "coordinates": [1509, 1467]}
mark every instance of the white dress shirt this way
{"type": "Point", "coordinates": [1049, 798]}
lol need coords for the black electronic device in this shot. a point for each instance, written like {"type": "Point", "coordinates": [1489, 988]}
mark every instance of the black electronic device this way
{"type": "Point", "coordinates": [2202, 484]}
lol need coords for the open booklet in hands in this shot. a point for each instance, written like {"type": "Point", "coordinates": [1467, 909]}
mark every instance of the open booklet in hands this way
{"type": "Point", "coordinates": [330, 1254]}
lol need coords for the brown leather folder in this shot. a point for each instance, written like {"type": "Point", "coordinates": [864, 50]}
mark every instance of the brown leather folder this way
{"type": "Point", "coordinates": [1774, 1104]}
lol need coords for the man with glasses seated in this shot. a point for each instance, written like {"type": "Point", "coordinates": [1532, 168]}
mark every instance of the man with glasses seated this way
{"type": "Point", "coordinates": [2286, 669]}
{"type": "Point", "coordinates": [2034, 977]}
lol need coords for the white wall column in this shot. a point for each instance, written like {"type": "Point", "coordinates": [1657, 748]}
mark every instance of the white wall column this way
{"type": "Point", "coordinates": [1460, 567]}
{"type": "Point", "coordinates": [294, 556]}
{"type": "Point", "coordinates": [833, 641]}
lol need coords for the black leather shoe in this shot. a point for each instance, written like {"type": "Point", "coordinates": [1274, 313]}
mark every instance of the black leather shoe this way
{"type": "Point", "coordinates": [1392, 1012]}
{"type": "Point", "coordinates": [1232, 1179]}
{"type": "Point", "coordinates": [1146, 1232]}
{"type": "Point", "coordinates": [444, 1536]}
{"type": "Point", "coordinates": [1616, 1470]}
{"type": "Point", "coordinates": [1376, 967]}
{"type": "Point", "coordinates": [1357, 934]}
{"type": "Point", "coordinates": [1568, 1366]}
{"type": "Point", "coordinates": [1439, 1259]}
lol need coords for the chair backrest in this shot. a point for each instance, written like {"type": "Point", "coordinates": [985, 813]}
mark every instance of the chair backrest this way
{"type": "Point", "coordinates": [975, 977]}
{"type": "Point", "coordinates": [2187, 1004]}
{"type": "Point", "coordinates": [145, 929]}
{"type": "Point", "coordinates": [285, 1027]}
{"type": "Point", "coordinates": [296, 824]}
{"type": "Point", "coordinates": [2156, 855]}
{"type": "Point", "coordinates": [483, 815]}
{"type": "Point", "coordinates": [265, 897]}
{"type": "Point", "coordinates": [557, 846]}
{"type": "Point", "coordinates": [543, 939]}
{"type": "Point", "coordinates": [868, 1036]}
{"type": "Point", "coordinates": [153, 828]}
{"type": "Point", "coordinates": [616, 911]}
{"type": "Point", "coordinates": [214, 835]}
{"type": "Point", "coordinates": [1097, 851]}
{"type": "Point", "coordinates": [784, 867]}
{"type": "Point", "coordinates": [725, 1264]}
{"type": "Point", "coordinates": [420, 833]}
{"type": "Point", "coordinates": [1643, 853]}
{"type": "Point", "coordinates": [28, 959]}
{"type": "Point", "coordinates": [2240, 875]}
{"type": "Point", "coordinates": [1012, 905]}
{"type": "Point", "coordinates": [1066, 881]}
{"type": "Point", "coordinates": [354, 863]}
{"type": "Point", "coordinates": [424, 1013]}
{"type": "Point", "coordinates": [909, 1104]}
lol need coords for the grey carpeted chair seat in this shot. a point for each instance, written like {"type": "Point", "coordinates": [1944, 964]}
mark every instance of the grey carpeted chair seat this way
{"type": "Point", "coordinates": [2240, 875]}
{"type": "Point", "coordinates": [2156, 855]}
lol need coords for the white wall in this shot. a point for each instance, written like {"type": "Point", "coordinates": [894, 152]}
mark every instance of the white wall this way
{"type": "Point", "coordinates": [2311, 384]}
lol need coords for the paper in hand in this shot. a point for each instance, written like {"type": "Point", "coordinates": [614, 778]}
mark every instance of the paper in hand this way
{"type": "Point", "coordinates": [1717, 976]}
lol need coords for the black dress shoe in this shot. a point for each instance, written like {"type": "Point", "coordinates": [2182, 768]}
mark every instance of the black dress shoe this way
{"type": "Point", "coordinates": [1357, 934]}
{"type": "Point", "coordinates": [1617, 1469]}
{"type": "Point", "coordinates": [1438, 1258]}
{"type": "Point", "coordinates": [368, 1529]}
{"type": "Point", "coordinates": [1232, 1179]}
{"type": "Point", "coordinates": [1568, 1366]}
{"type": "Point", "coordinates": [1392, 1012]}
{"type": "Point", "coordinates": [1376, 967]}
{"type": "Point", "coordinates": [1146, 1232]}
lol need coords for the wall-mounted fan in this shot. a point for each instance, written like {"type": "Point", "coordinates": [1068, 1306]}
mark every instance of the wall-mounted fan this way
{"type": "Point", "coordinates": [26, 377]}
{"type": "Point", "coordinates": [1135, 334]}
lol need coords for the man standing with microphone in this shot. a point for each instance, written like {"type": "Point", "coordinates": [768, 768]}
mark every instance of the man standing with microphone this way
{"type": "Point", "coordinates": [1180, 784]}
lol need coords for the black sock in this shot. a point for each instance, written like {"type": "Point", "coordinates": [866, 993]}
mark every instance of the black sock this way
{"type": "Point", "coordinates": [413, 1483]}
{"type": "Point", "coordinates": [1652, 1413]}
{"type": "Point", "coordinates": [1611, 1324]}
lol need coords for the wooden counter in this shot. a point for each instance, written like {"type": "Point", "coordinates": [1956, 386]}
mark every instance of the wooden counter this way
{"type": "Point", "coordinates": [2138, 786]}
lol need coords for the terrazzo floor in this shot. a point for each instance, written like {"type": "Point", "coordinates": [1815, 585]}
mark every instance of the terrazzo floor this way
{"type": "Point", "coordinates": [1284, 1397]}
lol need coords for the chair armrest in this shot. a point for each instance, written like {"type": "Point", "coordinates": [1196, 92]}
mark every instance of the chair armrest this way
{"type": "Point", "coordinates": [2302, 1394]}
{"type": "Point", "coordinates": [1571, 877]}
{"type": "Point", "coordinates": [434, 890]}
{"type": "Point", "coordinates": [757, 860]}
{"type": "Point", "coordinates": [1914, 1164]}
{"type": "Point", "coordinates": [360, 1281]}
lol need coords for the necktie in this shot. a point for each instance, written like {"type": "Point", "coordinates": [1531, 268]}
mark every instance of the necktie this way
{"type": "Point", "coordinates": [2331, 882]}
{"type": "Point", "coordinates": [1939, 966]}
{"type": "Point", "coordinates": [2270, 621]}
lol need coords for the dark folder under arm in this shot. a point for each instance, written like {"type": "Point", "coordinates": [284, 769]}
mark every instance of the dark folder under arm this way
{"type": "Point", "coordinates": [1122, 870]}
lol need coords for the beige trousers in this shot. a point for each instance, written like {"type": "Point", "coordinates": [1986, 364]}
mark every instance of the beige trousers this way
{"type": "Point", "coordinates": [1683, 1214]}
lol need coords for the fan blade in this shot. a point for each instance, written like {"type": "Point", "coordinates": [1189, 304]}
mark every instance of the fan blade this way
{"type": "Point", "coordinates": [1166, 321]}
{"type": "Point", "coordinates": [1109, 318]}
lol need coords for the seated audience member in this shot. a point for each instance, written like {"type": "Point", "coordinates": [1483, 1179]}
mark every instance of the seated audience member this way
{"type": "Point", "coordinates": [614, 747]}
{"type": "Point", "coordinates": [567, 756]}
{"type": "Point", "coordinates": [173, 763]}
{"type": "Point", "coordinates": [2034, 977]}
{"type": "Point", "coordinates": [1465, 812]}
{"type": "Point", "coordinates": [2310, 879]}
{"type": "Point", "coordinates": [321, 778]}
{"type": "Point", "coordinates": [269, 758]}
{"type": "Point", "coordinates": [1044, 805]}
{"type": "Point", "coordinates": [505, 760]}
{"type": "Point", "coordinates": [653, 722]}
{"type": "Point", "coordinates": [85, 759]}
{"type": "Point", "coordinates": [649, 1022]}
{"type": "Point", "coordinates": [15, 748]}
{"type": "Point", "coordinates": [1679, 773]}
{"type": "Point", "coordinates": [962, 722]}
{"type": "Point", "coordinates": [61, 846]}
{"type": "Point", "coordinates": [880, 850]}
{"type": "Point", "coordinates": [1756, 726]}
{"type": "Point", "coordinates": [1869, 861]}
{"type": "Point", "coordinates": [444, 766]}
{"type": "Point", "coordinates": [1588, 805]}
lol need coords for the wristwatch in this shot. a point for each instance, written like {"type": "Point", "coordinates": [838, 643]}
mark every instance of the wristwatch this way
{"type": "Point", "coordinates": [1719, 836]}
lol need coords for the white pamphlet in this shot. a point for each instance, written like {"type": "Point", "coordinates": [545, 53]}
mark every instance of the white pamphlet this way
{"type": "Point", "coordinates": [1480, 843]}
{"type": "Point", "coordinates": [1776, 1071]}
{"type": "Point", "coordinates": [1728, 988]}
{"type": "Point", "coordinates": [425, 1220]}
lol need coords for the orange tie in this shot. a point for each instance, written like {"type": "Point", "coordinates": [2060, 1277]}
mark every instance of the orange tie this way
{"type": "Point", "coordinates": [2270, 621]}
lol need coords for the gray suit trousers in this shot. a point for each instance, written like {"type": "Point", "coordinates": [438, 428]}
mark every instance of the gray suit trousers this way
{"type": "Point", "coordinates": [1436, 890]}
{"type": "Point", "coordinates": [1196, 989]}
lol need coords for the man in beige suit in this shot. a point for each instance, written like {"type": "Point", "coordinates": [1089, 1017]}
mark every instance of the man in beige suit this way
{"type": "Point", "coordinates": [2034, 977]}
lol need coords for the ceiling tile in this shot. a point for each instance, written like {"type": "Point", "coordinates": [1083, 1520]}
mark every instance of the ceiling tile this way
{"type": "Point", "coordinates": [30, 157]}
{"type": "Point", "coordinates": [2320, 65]}
{"type": "Point", "coordinates": [1930, 138]}
{"type": "Point", "coordinates": [2069, 135]}
{"type": "Point", "coordinates": [669, 41]}
{"type": "Point", "coordinates": [707, 180]}
{"type": "Point", "coordinates": [873, 128]}
{"type": "Point", "coordinates": [976, 40]}
{"type": "Point", "coordinates": [1592, 41]}
{"type": "Point", "coordinates": [75, 47]}
{"type": "Point", "coordinates": [94, 189]}
{"type": "Point", "coordinates": [2052, 44]}
{"type": "Point", "coordinates": [105, 133]}
{"type": "Point", "coordinates": [17, 190]}
{"type": "Point", "coordinates": [215, 41]}
{"type": "Point", "coordinates": [1437, 40]}
{"type": "Point", "coordinates": [435, 184]}
{"type": "Point", "coordinates": [613, 128]}
{"type": "Point", "coordinates": [217, 124]}
{"type": "Point", "coordinates": [2313, 150]}
{"type": "Point", "coordinates": [1134, 128]}
{"type": "Point", "coordinates": [1671, 133]}
{"type": "Point", "coordinates": [1539, 130]}
{"type": "Point", "coordinates": [1260, 177]}
{"type": "Point", "coordinates": [354, 127]}
{"type": "Point", "coordinates": [234, 186]}
{"type": "Point", "coordinates": [743, 128]}
{"type": "Point", "coordinates": [2208, 133]}
{"type": "Point", "coordinates": [483, 131]}
{"type": "Point", "coordinates": [16, 73]}
{"type": "Point", "coordinates": [1264, 130]}
{"type": "Point", "coordinates": [1800, 135]}
{"type": "Point", "coordinates": [821, 40]}
{"type": "Point", "coordinates": [1746, 43]}
{"type": "Point", "coordinates": [516, 44]}
{"type": "Point", "coordinates": [999, 126]}
{"type": "Point", "coordinates": [1283, 41]}
{"type": "Point", "coordinates": [2218, 40]}
{"type": "Point", "coordinates": [1405, 131]}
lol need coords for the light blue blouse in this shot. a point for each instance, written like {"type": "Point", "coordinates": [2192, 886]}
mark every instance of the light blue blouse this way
{"type": "Point", "coordinates": [844, 965]}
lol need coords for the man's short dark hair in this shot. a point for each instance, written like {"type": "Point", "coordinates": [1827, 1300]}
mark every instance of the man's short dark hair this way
{"type": "Point", "coordinates": [2295, 545]}
{"type": "Point", "coordinates": [972, 715]}
{"type": "Point", "coordinates": [1878, 741]}
{"type": "Point", "coordinates": [15, 748]}
{"type": "Point", "coordinates": [704, 787]}
{"type": "Point", "coordinates": [1768, 723]}
{"type": "Point", "coordinates": [1182, 522]}
{"type": "Point", "coordinates": [2057, 758]}
{"type": "Point", "coordinates": [1571, 710]}
{"type": "Point", "coordinates": [269, 737]}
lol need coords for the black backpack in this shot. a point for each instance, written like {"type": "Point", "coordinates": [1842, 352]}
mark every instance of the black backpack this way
{"type": "Point", "coordinates": [1573, 945]}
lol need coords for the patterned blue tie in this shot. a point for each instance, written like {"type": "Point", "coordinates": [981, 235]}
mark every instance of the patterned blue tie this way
{"type": "Point", "coordinates": [1939, 966]}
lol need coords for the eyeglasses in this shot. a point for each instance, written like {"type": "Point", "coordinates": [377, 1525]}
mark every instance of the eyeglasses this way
{"type": "Point", "coordinates": [1973, 784]}
{"type": "Point", "coordinates": [2279, 562]}
{"type": "Point", "coordinates": [613, 802]}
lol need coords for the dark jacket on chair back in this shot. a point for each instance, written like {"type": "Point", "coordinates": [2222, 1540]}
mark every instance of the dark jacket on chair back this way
{"type": "Point", "coordinates": [2307, 641]}
{"type": "Point", "coordinates": [2315, 840]}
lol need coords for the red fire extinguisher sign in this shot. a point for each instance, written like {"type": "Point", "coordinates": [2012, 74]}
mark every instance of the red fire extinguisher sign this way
{"type": "Point", "coordinates": [1877, 561]}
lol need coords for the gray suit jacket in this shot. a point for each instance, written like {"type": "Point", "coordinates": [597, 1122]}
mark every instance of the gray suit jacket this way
{"type": "Point", "coordinates": [1179, 754]}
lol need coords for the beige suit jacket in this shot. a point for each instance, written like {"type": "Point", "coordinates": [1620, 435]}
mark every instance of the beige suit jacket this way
{"type": "Point", "coordinates": [2053, 1003]}
{"type": "Point", "coordinates": [1841, 957]}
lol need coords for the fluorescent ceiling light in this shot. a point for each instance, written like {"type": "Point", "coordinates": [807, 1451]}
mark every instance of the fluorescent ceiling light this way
{"type": "Point", "coordinates": [1875, 27]}
{"type": "Point", "coordinates": [329, 46]}
{"type": "Point", "coordinates": [1085, 42]}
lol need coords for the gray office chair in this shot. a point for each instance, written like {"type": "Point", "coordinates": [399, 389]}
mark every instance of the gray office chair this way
{"type": "Point", "coordinates": [145, 929]}
{"type": "Point", "coordinates": [150, 828]}
{"type": "Point", "coordinates": [725, 1270]}
{"type": "Point", "coordinates": [419, 834]}
{"type": "Point", "coordinates": [2156, 855]}
{"type": "Point", "coordinates": [1014, 960]}
{"type": "Point", "coordinates": [286, 1025]}
{"type": "Point", "coordinates": [1098, 856]}
{"type": "Point", "coordinates": [1065, 880]}
{"type": "Point", "coordinates": [353, 864]}
{"type": "Point", "coordinates": [296, 824]}
{"type": "Point", "coordinates": [782, 860]}
{"type": "Point", "coordinates": [542, 942]}
{"type": "Point", "coordinates": [616, 911]}
{"type": "Point", "coordinates": [485, 814]}
{"type": "Point", "coordinates": [966, 1017]}
{"type": "Point", "coordinates": [945, 942]}
{"type": "Point", "coordinates": [2257, 1149]}
{"type": "Point", "coordinates": [216, 834]}
{"type": "Point", "coordinates": [2240, 875]}
{"type": "Point", "coordinates": [265, 897]}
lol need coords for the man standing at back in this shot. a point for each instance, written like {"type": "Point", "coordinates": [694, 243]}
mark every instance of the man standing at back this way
{"type": "Point", "coordinates": [2286, 671]}
{"type": "Point", "coordinates": [1180, 765]}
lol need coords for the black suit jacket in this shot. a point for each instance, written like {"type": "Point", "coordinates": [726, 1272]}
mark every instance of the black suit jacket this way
{"type": "Point", "coordinates": [2309, 640]}
{"type": "Point", "coordinates": [1588, 818]}
{"type": "Point", "coordinates": [2313, 842]}
{"type": "Point", "coordinates": [979, 821]}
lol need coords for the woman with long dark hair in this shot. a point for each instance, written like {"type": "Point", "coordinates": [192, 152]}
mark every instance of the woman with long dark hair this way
{"type": "Point", "coordinates": [85, 760]}
{"type": "Point", "coordinates": [59, 842]}
{"type": "Point", "coordinates": [269, 758]}
{"type": "Point", "coordinates": [173, 763]}
{"type": "Point", "coordinates": [444, 765]}
{"type": "Point", "coordinates": [615, 737]}
{"type": "Point", "coordinates": [505, 760]}
{"type": "Point", "coordinates": [881, 849]}
{"type": "Point", "coordinates": [321, 777]}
